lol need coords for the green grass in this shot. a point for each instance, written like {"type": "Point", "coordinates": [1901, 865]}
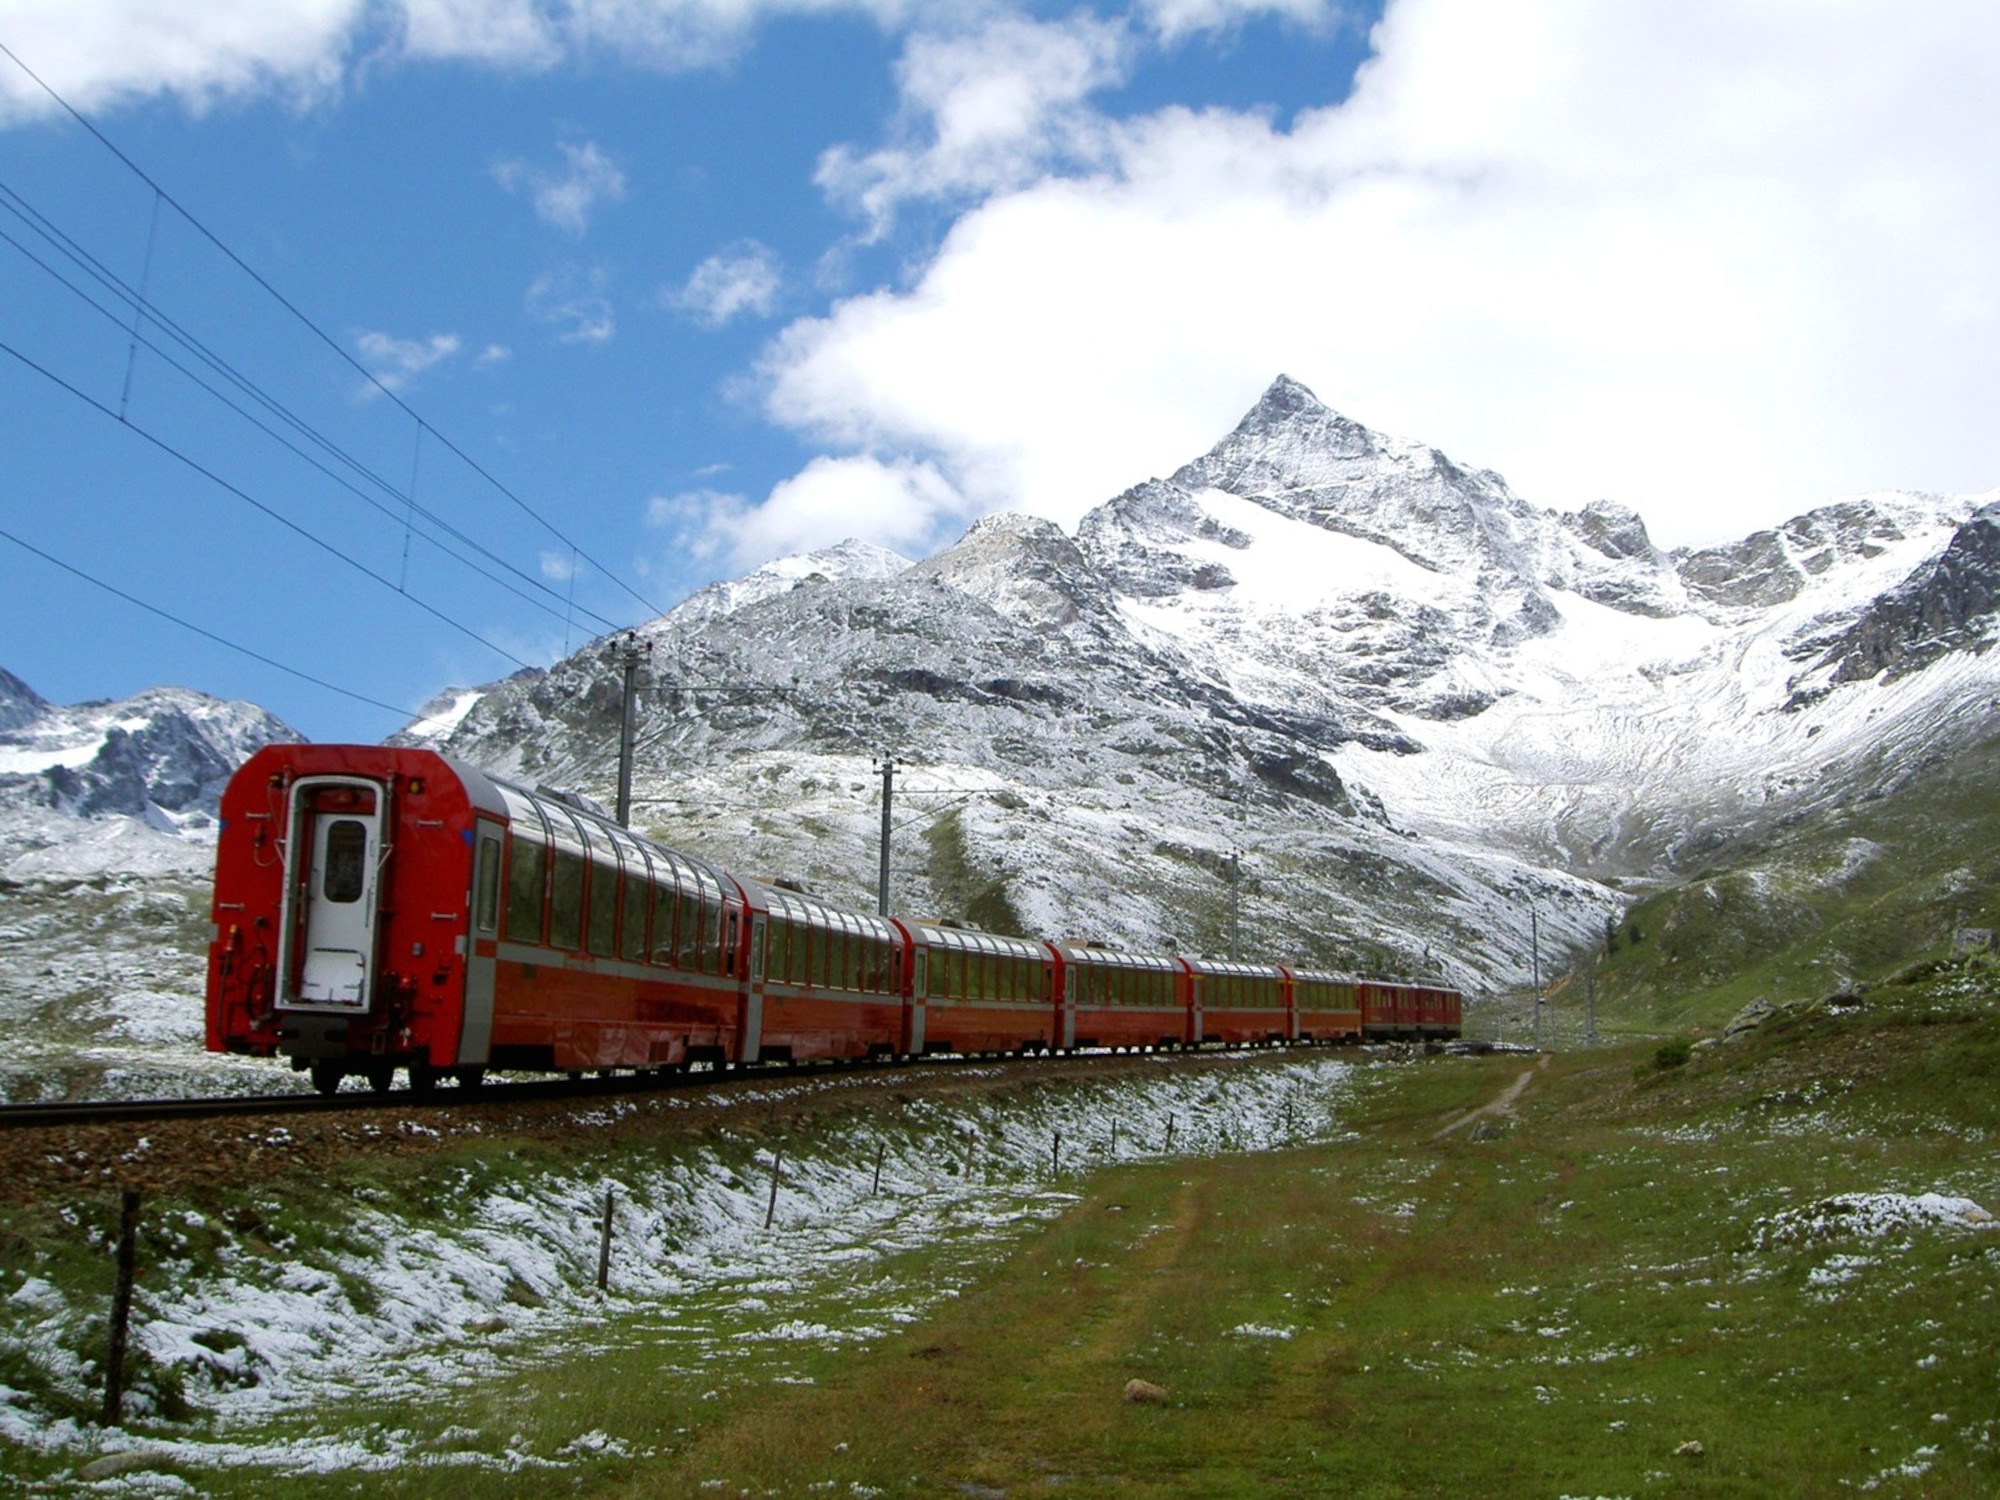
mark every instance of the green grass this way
{"type": "Point", "coordinates": [1843, 898]}
{"type": "Point", "coordinates": [1445, 1301]}
{"type": "Point", "coordinates": [1554, 1309]}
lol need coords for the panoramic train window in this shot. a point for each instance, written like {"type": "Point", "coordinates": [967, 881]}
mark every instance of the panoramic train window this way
{"type": "Point", "coordinates": [526, 869]}
{"type": "Point", "coordinates": [638, 882]}
{"type": "Point", "coordinates": [777, 945]}
{"type": "Point", "coordinates": [603, 904]}
{"type": "Point", "coordinates": [566, 900]}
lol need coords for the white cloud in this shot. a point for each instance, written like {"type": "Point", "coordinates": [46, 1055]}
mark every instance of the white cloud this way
{"type": "Point", "coordinates": [572, 300]}
{"type": "Point", "coordinates": [1174, 19]}
{"type": "Point", "coordinates": [1719, 264]}
{"type": "Point", "coordinates": [396, 362]}
{"type": "Point", "coordinates": [986, 109]}
{"type": "Point", "coordinates": [101, 53]}
{"type": "Point", "coordinates": [506, 33]}
{"type": "Point", "coordinates": [566, 198]}
{"type": "Point", "coordinates": [900, 505]}
{"type": "Point", "coordinates": [744, 278]}
{"type": "Point", "coordinates": [98, 53]}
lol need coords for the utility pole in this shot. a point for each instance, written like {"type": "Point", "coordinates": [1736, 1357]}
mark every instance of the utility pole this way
{"type": "Point", "coordinates": [1235, 905]}
{"type": "Point", "coordinates": [1535, 951]}
{"type": "Point", "coordinates": [888, 798]}
{"type": "Point", "coordinates": [628, 651]}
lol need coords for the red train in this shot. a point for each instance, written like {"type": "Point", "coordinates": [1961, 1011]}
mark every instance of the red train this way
{"type": "Point", "coordinates": [378, 909]}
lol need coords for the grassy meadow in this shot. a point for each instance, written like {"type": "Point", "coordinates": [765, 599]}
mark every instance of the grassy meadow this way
{"type": "Point", "coordinates": [1750, 1269]}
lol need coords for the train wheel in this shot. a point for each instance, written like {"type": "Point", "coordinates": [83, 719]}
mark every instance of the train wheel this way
{"type": "Point", "coordinates": [326, 1077]}
{"type": "Point", "coordinates": [423, 1078]}
{"type": "Point", "coordinates": [380, 1076]}
{"type": "Point", "coordinates": [471, 1078]}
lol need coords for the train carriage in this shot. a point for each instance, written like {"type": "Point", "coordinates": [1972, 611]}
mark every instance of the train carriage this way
{"type": "Point", "coordinates": [824, 982]}
{"type": "Point", "coordinates": [1388, 1011]}
{"type": "Point", "coordinates": [380, 909]}
{"type": "Point", "coordinates": [1238, 1003]}
{"type": "Point", "coordinates": [1438, 1012]}
{"type": "Point", "coordinates": [979, 992]}
{"type": "Point", "coordinates": [614, 952]}
{"type": "Point", "coordinates": [1111, 998]}
{"type": "Point", "coordinates": [1325, 1007]}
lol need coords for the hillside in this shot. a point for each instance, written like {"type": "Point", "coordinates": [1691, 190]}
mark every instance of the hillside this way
{"type": "Point", "coordinates": [1440, 731]}
{"type": "Point", "coordinates": [1766, 1270]}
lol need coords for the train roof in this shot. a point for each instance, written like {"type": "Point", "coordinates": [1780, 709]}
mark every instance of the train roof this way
{"type": "Point", "coordinates": [971, 940]}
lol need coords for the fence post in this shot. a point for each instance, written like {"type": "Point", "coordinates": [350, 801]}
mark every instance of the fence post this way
{"type": "Point", "coordinates": [121, 1307]}
{"type": "Point", "coordinates": [1170, 1132]}
{"type": "Point", "coordinates": [777, 1166]}
{"type": "Point", "coordinates": [604, 1241]}
{"type": "Point", "coordinates": [1055, 1156]}
{"type": "Point", "coordinates": [881, 1150]}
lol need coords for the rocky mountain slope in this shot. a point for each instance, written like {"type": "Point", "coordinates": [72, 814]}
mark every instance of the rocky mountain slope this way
{"type": "Point", "coordinates": [122, 786]}
{"type": "Point", "coordinates": [1436, 722]}
{"type": "Point", "coordinates": [1321, 693]}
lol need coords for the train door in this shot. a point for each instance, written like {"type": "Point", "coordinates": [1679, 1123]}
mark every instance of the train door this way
{"type": "Point", "coordinates": [920, 989]}
{"type": "Point", "coordinates": [475, 1038]}
{"type": "Point", "coordinates": [333, 859]}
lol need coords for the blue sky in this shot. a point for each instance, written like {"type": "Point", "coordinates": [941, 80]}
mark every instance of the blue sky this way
{"type": "Point", "coordinates": [700, 282]}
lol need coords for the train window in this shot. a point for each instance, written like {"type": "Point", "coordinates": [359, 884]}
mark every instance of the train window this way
{"type": "Point", "coordinates": [603, 882]}
{"type": "Point", "coordinates": [776, 937]}
{"type": "Point", "coordinates": [732, 941]}
{"type": "Point", "coordinates": [712, 953]}
{"type": "Point", "coordinates": [566, 900]}
{"type": "Point", "coordinates": [687, 931]}
{"type": "Point", "coordinates": [663, 916]}
{"type": "Point", "coordinates": [799, 970]}
{"type": "Point", "coordinates": [486, 881]}
{"type": "Point", "coordinates": [526, 882]}
{"type": "Point", "coordinates": [632, 944]}
{"type": "Point", "coordinates": [346, 874]}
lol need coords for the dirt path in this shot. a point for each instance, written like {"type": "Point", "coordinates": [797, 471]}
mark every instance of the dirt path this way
{"type": "Point", "coordinates": [1503, 1105]}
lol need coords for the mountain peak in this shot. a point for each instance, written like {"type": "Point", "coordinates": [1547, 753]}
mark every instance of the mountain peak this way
{"type": "Point", "coordinates": [20, 705]}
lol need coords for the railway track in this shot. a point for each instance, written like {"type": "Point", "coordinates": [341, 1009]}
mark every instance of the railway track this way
{"type": "Point", "coordinates": [451, 1097]}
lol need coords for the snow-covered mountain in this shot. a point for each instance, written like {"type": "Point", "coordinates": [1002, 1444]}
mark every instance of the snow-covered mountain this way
{"type": "Point", "coordinates": [124, 786]}
{"type": "Point", "coordinates": [1428, 718]}
{"type": "Point", "coordinates": [1418, 706]}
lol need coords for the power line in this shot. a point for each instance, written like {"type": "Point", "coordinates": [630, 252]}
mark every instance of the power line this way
{"type": "Point", "coordinates": [244, 495]}
{"type": "Point", "coordinates": [154, 609]}
{"type": "Point", "coordinates": [140, 308]}
{"type": "Point", "coordinates": [321, 334]}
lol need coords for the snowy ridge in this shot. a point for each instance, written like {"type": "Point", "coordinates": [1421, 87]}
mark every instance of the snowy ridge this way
{"type": "Point", "coordinates": [127, 786]}
{"type": "Point", "coordinates": [1417, 706]}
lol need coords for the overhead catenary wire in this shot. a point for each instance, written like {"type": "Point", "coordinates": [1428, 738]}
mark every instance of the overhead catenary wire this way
{"type": "Point", "coordinates": [142, 311]}
{"type": "Point", "coordinates": [333, 344]}
{"type": "Point", "coordinates": [244, 495]}
{"type": "Point", "coordinates": [206, 634]}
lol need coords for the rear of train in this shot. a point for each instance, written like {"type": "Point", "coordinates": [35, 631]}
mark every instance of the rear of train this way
{"type": "Point", "coordinates": [356, 914]}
